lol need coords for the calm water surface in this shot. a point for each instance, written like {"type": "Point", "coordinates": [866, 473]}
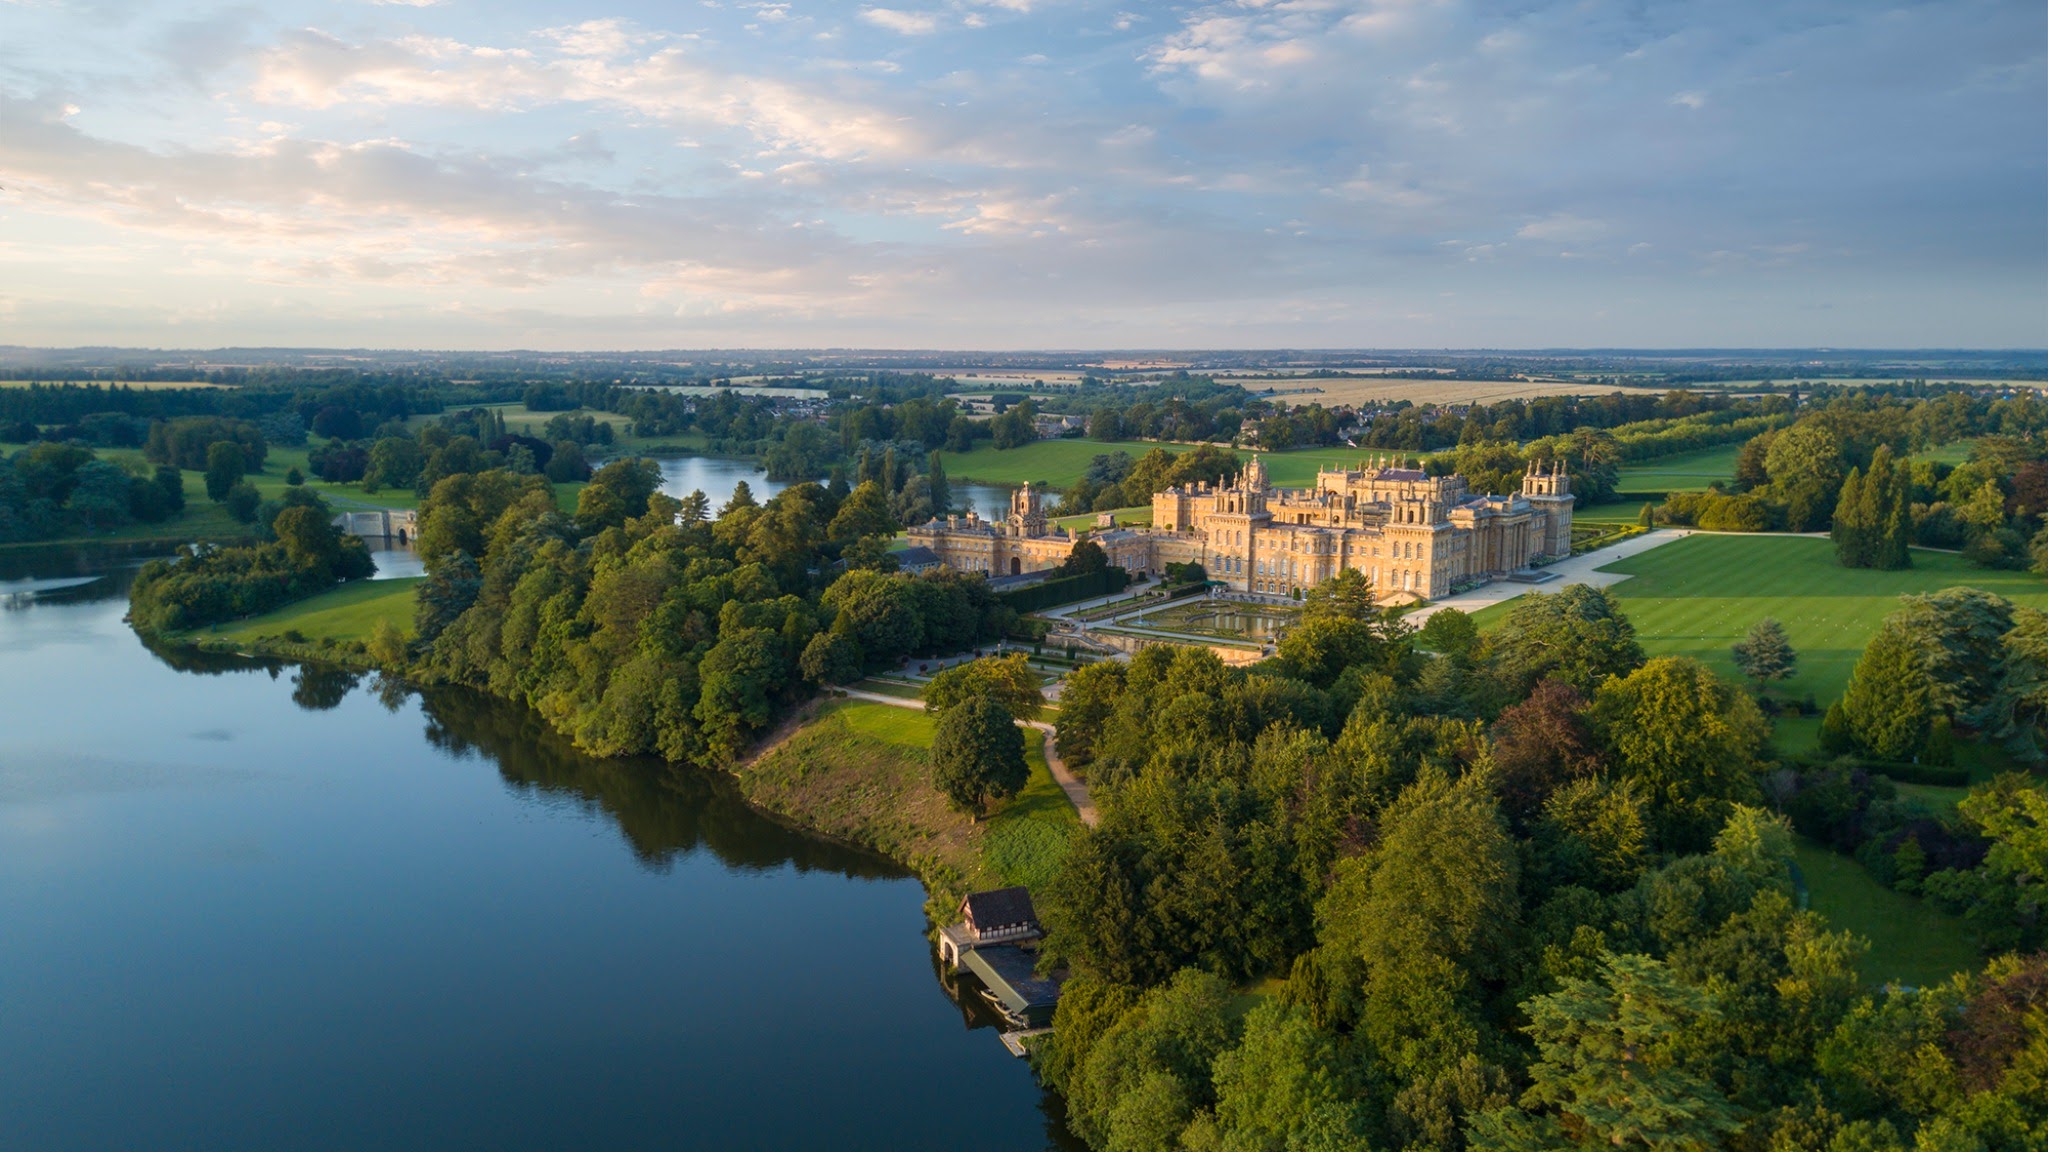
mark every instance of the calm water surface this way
{"type": "Point", "coordinates": [245, 907]}
{"type": "Point", "coordinates": [715, 476]}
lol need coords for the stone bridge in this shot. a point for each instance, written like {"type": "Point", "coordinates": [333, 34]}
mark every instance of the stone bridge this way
{"type": "Point", "coordinates": [382, 523]}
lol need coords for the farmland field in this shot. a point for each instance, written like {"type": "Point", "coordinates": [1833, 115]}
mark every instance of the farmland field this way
{"type": "Point", "coordinates": [138, 385]}
{"type": "Point", "coordinates": [1365, 390]}
{"type": "Point", "coordinates": [1698, 596]}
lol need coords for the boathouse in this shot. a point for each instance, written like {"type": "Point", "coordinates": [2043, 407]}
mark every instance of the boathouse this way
{"type": "Point", "coordinates": [1004, 916]}
{"type": "Point", "coordinates": [1014, 986]}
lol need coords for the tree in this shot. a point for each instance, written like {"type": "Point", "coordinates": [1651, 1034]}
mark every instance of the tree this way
{"type": "Point", "coordinates": [742, 497]}
{"type": "Point", "coordinates": [935, 481]}
{"type": "Point", "coordinates": [449, 589]}
{"type": "Point", "coordinates": [1542, 744]}
{"type": "Point", "coordinates": [1689, 738]}
{"type": "Point", "coordinates": [830, 658]}
{"type": "Point", "coordinates": [311, 542]}
{"type": "Point", "coordinates": [1766, 653]}
{"type": "Point", "coordinates": [1087, 700]}
{"type": "Point", "coordinates": [1855, 527]}
{"type": "Point", "coordinates": [1889, 702]}
{"type": "Point", "coordinates": [1578, 635]}
{"type": "Point", "coordinates": [293, 478]}
{"type": "Point", "coordinates": [1451, 633]}
{"type": "Point", "coordinates": [101, 495]}
{"type": "Point", "coordinates": [1007, 680]}
{"type": "Point", "coordinates": [1085, 559]}
{"type": "Point", "coordinates": [242, 501]}
{"type": "Point", "coordinates": [1347, 595]}
{"type": "Point", "coordinates": [864, 512]}
{"type": "Point", "coordinates": [2018, 712]}
{"type": "Point", "coordinates": [387, 645]}
{"type": "Point", "coordinates": [978, 755]}
{"type": "Point", "coordinates": [224, 466]}
{"type": "Point", "coordinates": [1611, 1061]}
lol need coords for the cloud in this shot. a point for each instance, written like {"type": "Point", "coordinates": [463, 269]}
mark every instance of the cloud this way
{"type": "Point", "coordinates": [1301, 169]}
{"type": "Point", "coordinates": [1562, 228]}
{"type": "Point", "coordinates": [901, 22]}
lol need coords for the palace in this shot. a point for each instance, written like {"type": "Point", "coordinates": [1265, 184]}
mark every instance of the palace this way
{"type": "Point", "coordinates": [1415, 536]}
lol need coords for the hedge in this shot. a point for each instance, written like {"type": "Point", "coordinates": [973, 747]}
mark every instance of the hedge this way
{"type": "Point", "coordinates": [1066, 590]}
{"type": "Point", "coordinates": [1938, 775]}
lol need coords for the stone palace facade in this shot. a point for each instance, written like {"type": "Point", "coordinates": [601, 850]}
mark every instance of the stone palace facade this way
{"type": "Point", "coordinates": [1413, 535]}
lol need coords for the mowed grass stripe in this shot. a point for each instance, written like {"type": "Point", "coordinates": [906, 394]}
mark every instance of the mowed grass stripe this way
{"type": "Point", "coordinates": [1696, 597]}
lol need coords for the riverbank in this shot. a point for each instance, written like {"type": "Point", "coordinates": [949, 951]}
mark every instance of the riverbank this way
{"type": "Point", "coordinates": [860, 771]}
{"type": "Point", "coordinates": [855, 771]}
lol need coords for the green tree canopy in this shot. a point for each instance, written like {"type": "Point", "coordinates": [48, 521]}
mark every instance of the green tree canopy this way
{"type": "Point", "coordinates": [978, 755]}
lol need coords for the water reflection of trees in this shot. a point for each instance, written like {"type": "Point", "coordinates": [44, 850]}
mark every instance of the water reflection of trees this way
{"type": "Point", "coordinates": [663, 810]}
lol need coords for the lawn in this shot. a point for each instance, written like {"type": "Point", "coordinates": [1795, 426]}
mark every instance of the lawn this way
{"type": "Point", "coordinates": [1025, 840]}
{"type": "Point", "coordinates": [860, 770]}
{"type": "Point", "coordinates": [1910, 942]}
{"type": "Point", "coordinates": [1683, 472]}
{"type": "Point", "coordinates": [1122, 516]}
{"type": "Point", "coordinates": [1698, 596]}
{"type": "Point", "coordinates": [1057, 463]}
{"type": "Point", "coordinates": [349, 612]}
{"type": "Point", "coordinates": [1954, 452]}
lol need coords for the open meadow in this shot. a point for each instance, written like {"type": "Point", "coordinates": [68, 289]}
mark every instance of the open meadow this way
{"type": "Point", "coordinates": [1697, 596]}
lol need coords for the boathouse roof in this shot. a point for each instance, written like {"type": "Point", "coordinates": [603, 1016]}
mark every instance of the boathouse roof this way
{"type": "Point", "coordinates": [1002, 908]}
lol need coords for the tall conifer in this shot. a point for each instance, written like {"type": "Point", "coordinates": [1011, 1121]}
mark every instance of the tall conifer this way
{"type": "Point", "coordinates": [1855, 521]}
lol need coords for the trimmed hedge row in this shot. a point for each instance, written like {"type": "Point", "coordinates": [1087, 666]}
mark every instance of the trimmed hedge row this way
{"type": "Point", "coordinates": [1937, 775]}
{"type": "Point", "coordinates": [1066, 590]}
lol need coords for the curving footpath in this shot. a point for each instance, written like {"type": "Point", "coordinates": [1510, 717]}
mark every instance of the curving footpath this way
{"type": "Point", "coordinates": [1077, 792]}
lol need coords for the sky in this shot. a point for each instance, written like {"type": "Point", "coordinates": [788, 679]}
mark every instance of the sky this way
{"type": "Point", "coordinates": [997, 174]}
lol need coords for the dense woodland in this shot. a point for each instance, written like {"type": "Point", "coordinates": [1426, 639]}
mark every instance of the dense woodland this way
{"type": "Point", "coordinates": [1528, 892]}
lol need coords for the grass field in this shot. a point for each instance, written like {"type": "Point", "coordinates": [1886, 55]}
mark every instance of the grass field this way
{"type": "Point", "coordinates": [860, 770]}
{"type": "Point", "coordinates": [349, 612]}
{"type": "Point", "coordinates": [1698, 596]}
{"type": "Point", "coordinates": [1954, 452]}
{"type": "Point", "coordinates": [1684, 472]}
{"type": "Point", "coordinates": [1910, 942]}
{"type": "Point", "coordinates": [1058, 463]}
{"type": "Point", "coordinates": [1122, 516]}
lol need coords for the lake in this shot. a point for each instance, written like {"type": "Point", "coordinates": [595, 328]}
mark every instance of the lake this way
{"type": "Point", "coordinates": [250, 906]}
{"type": "Point", "coordinates": [716, 476]}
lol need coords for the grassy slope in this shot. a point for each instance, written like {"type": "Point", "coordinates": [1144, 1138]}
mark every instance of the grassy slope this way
{"type": "Point", "coordinates": [1698, 596]}
{"type": "Point", "coordinates": [859, 771]}
{"type": "Point", "coordinates": [1910, 942]}
{"type": "Point", "coordinates": [349, 612]}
